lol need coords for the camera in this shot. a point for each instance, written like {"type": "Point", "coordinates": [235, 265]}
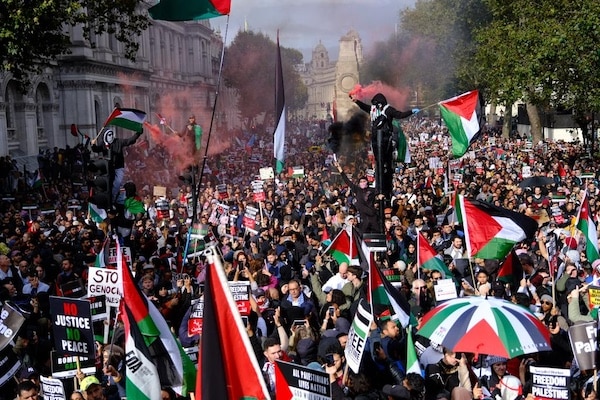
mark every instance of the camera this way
{"type": "Point", "coordinates": [329, 360]}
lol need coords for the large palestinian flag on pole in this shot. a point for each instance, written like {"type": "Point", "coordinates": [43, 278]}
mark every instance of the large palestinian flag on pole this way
{"type": "Point", "coordinates": [227, 366]}
{"type": "Point", "coordinates": [491, 232]}
{"type": "Point", "coordinates": [464, 117]}
{"type": "Point", "coordinates": [174, 367]}
{"type": "Point", "coordinates": [280, 115]}
{"type": "Point", "coordinates": [186, 10]}
{"type": "Point", "coordinates": [127, 118]}
{"type": "Point", "coordinates": [588, 228]}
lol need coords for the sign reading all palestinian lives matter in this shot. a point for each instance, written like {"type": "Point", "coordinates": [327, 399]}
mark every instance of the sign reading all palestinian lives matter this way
{"type": "Point", "coordinates": [52, 389]}
{"type": "Point", "coordinates": [550, 383]}
{"type": "Point", "coordinates": [10, 322]}
{"type": "Point", "coordinates": [72, 326]}
{"type": "Point", "coordinates": [301, 382]}
{"type": "Point", "coordinates": [584, 342]}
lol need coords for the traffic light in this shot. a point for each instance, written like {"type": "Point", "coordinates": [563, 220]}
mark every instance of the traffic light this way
{"type": "Point", "coordinates": [101, 185]}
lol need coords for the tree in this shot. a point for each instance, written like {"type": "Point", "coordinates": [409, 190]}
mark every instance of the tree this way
{"type": "Point", "coordinates": [249, 67]}
{"type": "Point", "coordinates": [544, 52]}
{"type": "Point", "coordinates": [33, 34]}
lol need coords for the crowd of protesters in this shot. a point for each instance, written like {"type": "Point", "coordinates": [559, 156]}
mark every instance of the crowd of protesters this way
{"type": "Point", "coordinates": [303, 301]}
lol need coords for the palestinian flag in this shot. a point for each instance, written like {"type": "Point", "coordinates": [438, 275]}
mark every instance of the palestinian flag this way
{"type": "Point", "coordinates": [35, 180]}
{"type": "Point", "coordinates": [403, 149]}
{"type": "Point", "coordinates": [127, 118]}
{"type": "Point", "coordinates": [463, 116]}
{"type": "Point", "coordinates": [427, 257]}
{"type": "Point", "coordinates": [175, 369]}
{"type": "Point", "coordinates": [511, 271]}
{"type": "Point", "coordinates": [102, 257]}
{"type": "Point", "coordinates": [280, 115]}
{"type": "Point", "coordinates": [231, 370]}
{"type": "Point", "coordinates": [586, 225]}
{"type": "Point", "coordinates": [96, 213]}
{"type": "Point", "coordinates": [186, 10]}
{"type": "Point", "coordinates": [344, 247]}
{"type": "Point", "coordinates": [412, 361]}
{"type": "Point", "coordinates": [141, 377]}
{"type": "Point", "coordinates": [382, 292]}
{"type": "Point", "coordinates": [491, 232]}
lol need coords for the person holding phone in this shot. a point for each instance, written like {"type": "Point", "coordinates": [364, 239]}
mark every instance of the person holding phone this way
{"type": "Point", "coordinates": [449, 374]}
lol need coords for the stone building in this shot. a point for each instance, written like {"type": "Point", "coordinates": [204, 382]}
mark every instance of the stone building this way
{"type": "Point", "coordinates": [329, 82]}
{"type": "Point", "coordinates": [175, 74]}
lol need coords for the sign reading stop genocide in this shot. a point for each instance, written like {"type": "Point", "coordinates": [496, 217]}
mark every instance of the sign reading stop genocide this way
{"type": "Point", "coordinates": [105, 281]}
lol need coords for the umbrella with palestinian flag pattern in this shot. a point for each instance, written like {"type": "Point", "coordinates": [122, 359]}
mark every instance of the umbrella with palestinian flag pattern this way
{"type": "Point", "coordinates": [485, 326]}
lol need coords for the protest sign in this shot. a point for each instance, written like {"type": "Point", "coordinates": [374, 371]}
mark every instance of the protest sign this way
{"type": "Point", "coordinates": [584, 342]}
{"type": "Point", "coordinates": [295, 381]}
{"type": "Point", "coordinates": [73, 289]}
{"type": "Point", "coordinates": [192, 353]}
{"type": "Point", "coordinates": [52, 389]}
{"type": "Point", "coordinates": [10, 322]}
{"type": "Point", "coordinates": [112, 256]}
{"type": "Point", "coordinates": [107, 282]}
{"type": "Point", "coordinates": [9, 364]}
{"type": "Point", "coordinates": [72, 326]}
{"type": "Point", "coordinates": [445, 289]}
{"type": "Point", "coordinates": [358, 334]}
{"type": "Point", "coordinates": [249, 219]}
{"type": "Point", "coordinates": [195, 320]}
{"type": "Point", "coordinates": [550, 383]}
{"type": "Point", "coordinates": [241, 295]}
{"type": "Point", "coordinates": [66, 366]}
{"type": "Point", "coordinates": [99, 308]}
{"type": "Point", "coordinates": [266, 173]}
{"type": "Point", "coordinates": [258, 191]}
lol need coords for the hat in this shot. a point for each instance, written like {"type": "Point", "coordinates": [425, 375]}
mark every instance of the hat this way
{"type": "Point", "coordinates": [349, 218]}
{"type": "Point", "coordinates": [15, 253]}
{"type": "Point", "coordinates": [142, 259]}
{"type": "Point", "coordinates": [88, 381]}
{"type": "Point", "coordinates": [573, 255]}
{"type": "Point", "coordinates": [342, 325]}
{"type": "Point", "coordinates": [548, 298]}
{"type": "Point", "coordinates": [27, 373]}
{"type": "Point", "coordinates": [395, 218]}
{"type": "Point", "coordinates": [235, 208]}
{"type": "Point", "coordinates": [308, 205]}
{"type": "Point", "coordinates": [388, 210]}
{"type": "Point", "coordinates": [258, 293]}
{"type": "Point", "coordinates": [396, 391]}
{"type": "Point", "coordinates": [491, 360]}
{"type": "Point", "coordinates": [561, 231]}
{"type": "Point", "coordinates": [148, 266]}
{"type": "Point", "coordinates": [75, 223]}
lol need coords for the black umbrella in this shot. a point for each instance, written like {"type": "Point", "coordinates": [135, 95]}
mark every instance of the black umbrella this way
{"type": "Point", "coordinates": [535, 181]}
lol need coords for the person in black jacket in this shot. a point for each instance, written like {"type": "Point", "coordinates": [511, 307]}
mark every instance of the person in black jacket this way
{"type": "Point", "coordinates": [382, 115]}
{"type": "Point", "coordinates": [365, 202]}
{"type": "Point", "coordinates": [113, 146]}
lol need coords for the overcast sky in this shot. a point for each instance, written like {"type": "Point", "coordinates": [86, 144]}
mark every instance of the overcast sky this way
{"type": "Point", "coordinates": [303, 23]}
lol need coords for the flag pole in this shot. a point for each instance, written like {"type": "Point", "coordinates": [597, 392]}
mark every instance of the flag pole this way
{"type": "Point", "coordinates": [212, 118]}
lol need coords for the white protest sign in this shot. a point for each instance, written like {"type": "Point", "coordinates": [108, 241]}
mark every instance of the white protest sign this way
{"type": "Point", "coordinates": [357, 337]}
{"type": "Point", "coordinates": [105, 281]}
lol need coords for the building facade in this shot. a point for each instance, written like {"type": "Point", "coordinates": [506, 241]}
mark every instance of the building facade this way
{"type": "Point", "coordinates": [175, 74]}
{"type": "Point", "coordinates": [329, 82]}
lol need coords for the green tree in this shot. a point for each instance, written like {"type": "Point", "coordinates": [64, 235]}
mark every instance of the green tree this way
{"type": "Point", "coordinates": [249, 67]}
{"type": "Point", "coordinates": [545, 53]}
{"type": "Point", "coordinates": [33, 34]}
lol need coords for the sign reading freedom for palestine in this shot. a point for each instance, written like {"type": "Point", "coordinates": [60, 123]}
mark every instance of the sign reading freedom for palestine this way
{"type": "Point", "coordinates": [72, 326]}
